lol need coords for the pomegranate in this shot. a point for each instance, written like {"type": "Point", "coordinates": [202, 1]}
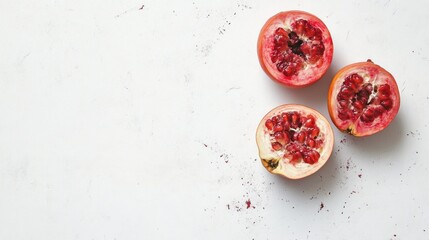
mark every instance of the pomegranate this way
{"type": "Point", "coordinates": [295, 48]}
{"type": "Point", "coordinates": [363, 99]}
{"type": "Point", "coordinates": [294, 141]}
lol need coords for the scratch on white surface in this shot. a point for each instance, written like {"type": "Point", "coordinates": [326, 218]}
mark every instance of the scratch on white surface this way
{"type": "Point", "coordinates": [130, 10]}
{"type": "Point", "coordinates": [347, 37]}
{"type": "Point", "coordinates": [403, 86]}
{"type": "Point", "coordinates": [387, 3]}
{"type": "Point", "coordinates": [23, 58]}
{"type": "Point", "coordinates": [232, 88]}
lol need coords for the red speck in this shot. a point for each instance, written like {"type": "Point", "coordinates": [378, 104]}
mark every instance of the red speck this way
{"type": "Point", "coordinates": [141, 8]}
{"type": "Point", "coordinates": [248, 203]}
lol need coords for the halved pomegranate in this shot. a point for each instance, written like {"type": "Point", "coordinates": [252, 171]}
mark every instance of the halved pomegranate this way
{"type": "Point", "coordinates": [294, 141]}
{"type": "Point", "coordinates": [295, 48]}
{"type": "Point", "coordinates": [363, 99]}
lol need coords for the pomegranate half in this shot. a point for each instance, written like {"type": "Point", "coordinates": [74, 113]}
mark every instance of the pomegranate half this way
{"type": "Point", "coordinates": [363, 99]}
{"type": "Point", "coordinates": [295, 48]}
{"type": "Point", "coordinates": [294, 141]}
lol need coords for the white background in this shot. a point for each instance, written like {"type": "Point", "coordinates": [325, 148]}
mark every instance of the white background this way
{"type": "Point", "coordinates": [120, 124]}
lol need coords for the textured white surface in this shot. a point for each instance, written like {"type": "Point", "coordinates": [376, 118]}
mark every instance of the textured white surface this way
{"type": "Point", "coordinates": [120, 124]}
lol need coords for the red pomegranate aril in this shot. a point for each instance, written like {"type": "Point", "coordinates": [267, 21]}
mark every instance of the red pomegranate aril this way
{"type": "Point", "coordinates": [286, 126]}
{"type": "Point", "coordinates": [281, 137]}
{"type": "Point", "coordinates": [315, 155]}
{"type": "Point", "coordinates": [299, 26]}
{"type": "Point", "coordinates": [310, 32]}
{"type": "Point", "coordinates": [378, 110]}
{"type": "Point", "coordinates": [384, 89]}
{"type": "Point", "coordinates": [311, 142]}
{"type": "Point", "coordinates": [276, 146]}
{"type": "Point", "coordinates": [367, 87]}
{"type": "Point", "coordinates": [296, 156]}
{"type": "Point", "coordinates": [343, 103]}
{"type": "Point", "coordinates": [274, 120]}
{"type": "Point", "coordinates": [309, 122]}
{"type": "Point", "coordinates": [301, 137]}
{"type": "Point", "coordinates": [278, 127]}
{"type": "Point", "coordinates": [356, 79]}
{"type": "Point", "coordinates": [315, 132]}
{"type": "Point", "coordinates": [269, 124]}
{"type": "Point", "coordinates": [307, 159]}
{"type": "Point", "coordinates": [358, 105]}
{"type": "Point", "coordinates": [387, 104]}
{"type": "Point", "coordinates": [280, 37]}
{"type": "Point", "coordinates": [383, 97]}
{"type": "Point", "coordinates": [295, 118]}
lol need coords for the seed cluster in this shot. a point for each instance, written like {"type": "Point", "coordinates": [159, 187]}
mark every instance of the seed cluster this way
{"type": "Point", "coordinates": [363, 100]}
{"type": "Point", "coordinates": [295, 134]}
{"type": "Point", "coordinates": [303, 42]}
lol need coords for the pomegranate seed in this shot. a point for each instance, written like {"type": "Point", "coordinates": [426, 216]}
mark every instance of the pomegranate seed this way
{"type": "Point", "coordinates": [369, 112]}
{"type": "Point", "coordinates": [318, 35]}
{"type": "Point", "coordinates": [295, 118]}
{"type": "Point", "coordinates": [378, 110]}
{"type": "Point", "coordinates": [387, 104]}
{"type": "Point", "coordinates": [383, 97]}
{"type": "Point", "coordinates": [276, 146]}
{"type": "Point", "coordinates": [319, 143]}
{"type": "Point", "coordinates": [307, 159]}
{"type": "Point", "coordinates": [301, 137]}
{"type": "Point", "coordinates": [291, 148]}
{"type": "Point", "coordinates": [384, 89]}
{"type": "Point", "coordinates": [367, 116]}
{"type": "Point", "coordinates": [269, 124]}
{"type": "Point", "coordinates": [347, 92]}
{"type": "Point", "coordinates": [289, 70]}
{"type": "Point", "coordinates": [309, 123]}
{"type": "Point", "coordinates": [296, 156]}
{"type": "Point", "coordinates": [285, 117]}
{"type": "Point", "coordinates": [343, 103]}
{"type": "Point", "coordinates": [358, 105]}
{"type": "Point", "coordinates": [315, 132]}
{"type": "Point", "coordinates": [311, 142]}
{"type": "Point", "coordinates": [299, 26]}
{"type": "Point", "coordinates": [315, 155]}
{"type": "Point", "coordinates": [295, 136]}
{"type": "Point", "coordinates": [343, 115]}
{"type": "Point", "coordinates": [280, 36]}
{"type": "Point", "coordinates": [286, 126]}
{"type": "Point", "coordinates": [278, 127]}
{"type": "Point", "coordinates": [358, 80]}
{"type": "Point", "coordinates": [310, 32]}
{"type": "Point", "coordinates": [305, 48]}
{"type": "Point", "coordinates": [274, 119]}
{"type": "Point", "coordinates": [368, 87]}
{"type": "Point", "coordinates": [279, 137]}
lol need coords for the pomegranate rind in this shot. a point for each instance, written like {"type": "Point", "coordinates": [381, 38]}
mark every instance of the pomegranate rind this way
{"type": "Point", "coordinates": [311, 73]}
{"type": "Point", "coordinates": [375, 74]}
{"type": "Point", "coordinates": [274, 163]}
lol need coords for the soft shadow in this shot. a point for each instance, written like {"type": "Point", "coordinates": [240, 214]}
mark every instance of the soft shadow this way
{"type": "Point", "coordinates": [320, 183]}
{"type": "Point", "coordinates": [388, 140]}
